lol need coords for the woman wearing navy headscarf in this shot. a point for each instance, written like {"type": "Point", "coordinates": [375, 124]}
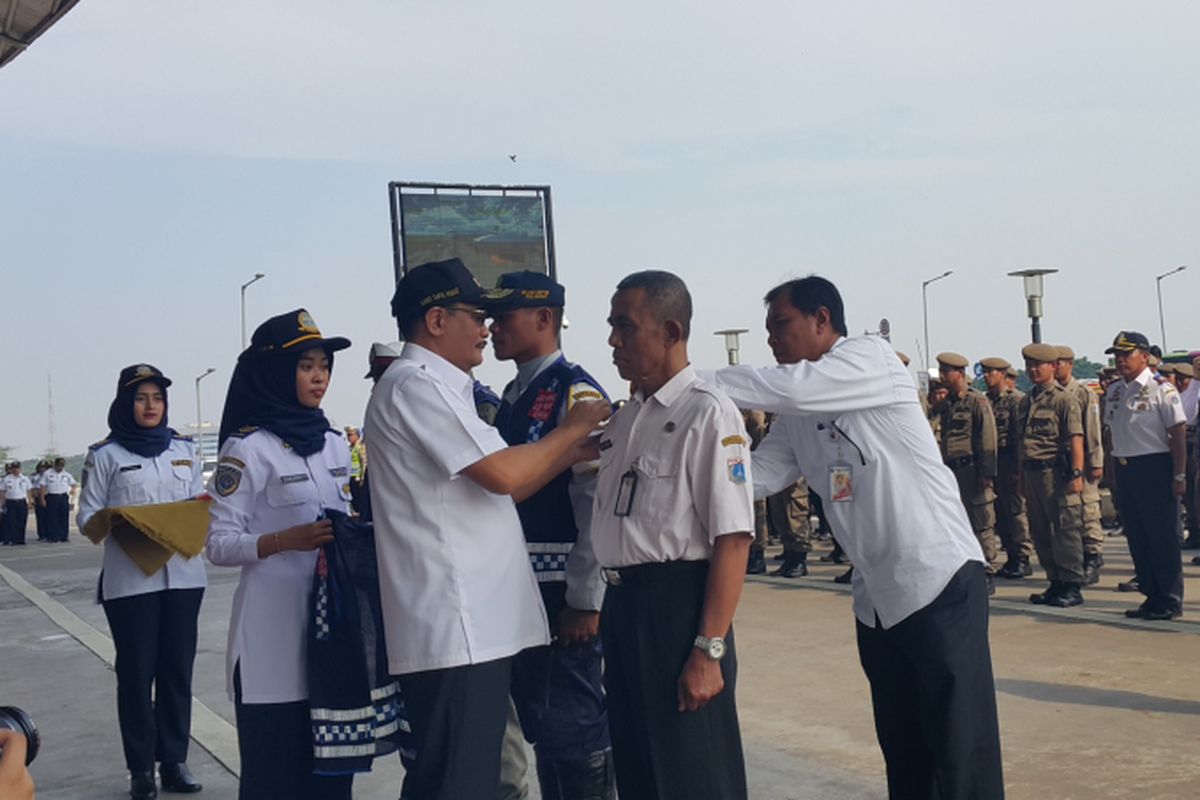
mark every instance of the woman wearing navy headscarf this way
{"type": "Point", "coordinates": [152, 617]}
{"type": "Point", "coordinates": [281, 464]}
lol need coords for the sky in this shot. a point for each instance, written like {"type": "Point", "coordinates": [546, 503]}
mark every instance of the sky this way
{"type": "Point", "coordinates": [157, 155]}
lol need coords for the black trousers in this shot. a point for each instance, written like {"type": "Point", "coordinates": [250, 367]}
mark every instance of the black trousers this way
{"type": "Point", "coordinates": [935, 698]}
{"type": "Point", "coordinates": [16, 516]}
{"type": "Point", "coordinates": [155, 639]}
{"type": "Point", "coordinates": [457, 717]}
{"type": "Point", "coordinates": [39, 513]}
{"type": "Point", "coordinates": [57, 517]}
{"type": "Point", "coordinates": [1150, 513]}
{"type": "Point", "coordinates": [275, 743]}
{"type": "Point", "coordinates": [648, 626]}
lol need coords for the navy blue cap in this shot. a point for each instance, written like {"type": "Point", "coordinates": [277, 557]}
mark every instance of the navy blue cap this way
{"type": "Point", "coordinates": [294, 331]}
{"type": "Point", "coordinates": [437, 283]}
{"type": "Point", "coordinates": [136, 373]}
{"type": "Point", "coordinates": [527, 289]}
{"type": "Point", "coordinates": [1127, 342]}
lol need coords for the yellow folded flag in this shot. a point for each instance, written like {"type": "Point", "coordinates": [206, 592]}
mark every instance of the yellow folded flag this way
{"type": "Point", "coordinates": [151, 534]}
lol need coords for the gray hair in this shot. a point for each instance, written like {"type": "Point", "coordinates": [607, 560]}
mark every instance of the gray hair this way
{"type": "Point", "coordinates": [667, 296]}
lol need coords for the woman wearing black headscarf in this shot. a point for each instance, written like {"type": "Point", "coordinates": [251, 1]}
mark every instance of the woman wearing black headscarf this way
{"type": "Point", "coordinates": [280, 466]}
{"type": "Point", "coordinates": [152, 617]}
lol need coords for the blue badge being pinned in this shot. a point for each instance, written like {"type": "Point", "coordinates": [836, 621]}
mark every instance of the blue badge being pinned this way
{"type": "Point", "coordinates": [227, 479]}
{"type": "Point", "coordinates": [737, 470]}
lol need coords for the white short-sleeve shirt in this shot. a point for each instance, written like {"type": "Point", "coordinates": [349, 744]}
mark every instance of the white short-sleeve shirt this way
{"type": "Point", "coordinates": [58, 481]}
{"type": "Point", "coordinates": [262, 486]}
{"type": "Point", "coordinates": [1140, 412]}
{"type": "Point", "coordinates": [113, 476]}
{"type": "Point", "coordinates": [687, 450]}
{"type": "Point", "coordinates": [455, 580]}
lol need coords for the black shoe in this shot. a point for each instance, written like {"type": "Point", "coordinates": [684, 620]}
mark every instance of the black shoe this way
{"type": "Point", "coordinates": [1043, 598]}
{"type": "Point", "coordinates": [1015, 569]}
{"type": "Point", "coordinates": [779, 557]}
{"type": "Point", "coordinates": [794, 566]}
{"type": "Point", "coordinates": [1139, 612]}
{"type": "Point", "coordinates": [845, 577]}
{"type": "Point", "coordinates": [835, 557]}
{"type": "Point", "coordinates": [142, 786]}
{"type": "Point", "coordinates": [1066, 598]}
{"type": "Point", "coordinates": [1091, 569]}
{"type": "Point", "coordinates": [1130, 585]}
{"type": "Point", "coordinates": [757, 565]}
{"type": "Point", "coordinates": [178, 778]}
{"type": "Point", "coordinates": [1159, 613]}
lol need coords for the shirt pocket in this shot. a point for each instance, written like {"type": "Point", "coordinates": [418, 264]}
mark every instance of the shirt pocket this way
{"type": "Point", "coordinates": [129, 489]}
{"type": "Point", "coordinates": [182, 489]}
{"type": "Point", "coordinates": [287, 495]}
{"type": "Point", "coordinates": [657, 491]}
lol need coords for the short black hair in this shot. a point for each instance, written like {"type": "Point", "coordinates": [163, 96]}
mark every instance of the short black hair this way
{"type": "Point", "coordinates": [667, 296]}
{"type": "Point", "coordinates": [808, 294]}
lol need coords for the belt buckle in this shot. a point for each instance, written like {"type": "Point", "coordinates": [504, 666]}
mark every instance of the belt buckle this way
{"type": "Point", "coordinates": [1122, 462]}
{"type": "Point", "coordinates": [611, 576]}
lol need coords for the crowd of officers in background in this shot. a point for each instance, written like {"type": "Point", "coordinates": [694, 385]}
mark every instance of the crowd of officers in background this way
{"type": "Point", "coordinates": [1031, 469]}
{"type": "Point", "coordinates": [47, 492]}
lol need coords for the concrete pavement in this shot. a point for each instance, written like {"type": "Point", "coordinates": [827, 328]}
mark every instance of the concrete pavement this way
{"type": "Point", "coordinates": [1092, 705]}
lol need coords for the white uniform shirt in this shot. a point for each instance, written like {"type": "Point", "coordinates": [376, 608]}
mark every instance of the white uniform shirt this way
{"type": "Point", "coordinates": [113, 476]}
{"type": "Point", "coordinates": [585, 586]}
{"type": "Point", "coordinates": [1140, 412]}
{"type": "Point", "coordinates": [59, 481]}
{"type": "Point", "coordinates": [36, 481]}
{"type": "Point", "coordinates": [1190, 397]}
{"type": "Point", "coordinates": [455, 579]}
{"type": "Point", "coordinates": [261, 486]}
{"type": "Point", "coordinates": [687, 447]}
{"type": "Point", "coordinates": [16, 487]}
{"type": "Point", "coordinates": [856, 407]}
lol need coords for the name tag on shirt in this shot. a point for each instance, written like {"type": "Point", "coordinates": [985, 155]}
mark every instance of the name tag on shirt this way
{"type": "Point", "coordinates": [841, 483]}
{"type": "Point", "coordinates": [338, 472]}
{"type": "Point", "coordinates": [293, 478]}
{"type": "Point", "coordinates": [130, 467]}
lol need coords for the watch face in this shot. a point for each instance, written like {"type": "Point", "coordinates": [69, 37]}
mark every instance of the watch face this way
{"type": "Point", "coordinates": [716, 649]}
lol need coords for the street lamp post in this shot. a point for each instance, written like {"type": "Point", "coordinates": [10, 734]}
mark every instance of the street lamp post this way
{"type": "Point", "coordinates": [199, 416]}
{"type": "Point", "coordinates": [925, 308]}
{"type": "Point", "coordinates": [1032, 283]}
{"type": "Point", "coordinates": [258, 276]}
{"type": "Point", "coordinates": [732, 345]}
{"type": "Point", "coordinates": [1162, 325]}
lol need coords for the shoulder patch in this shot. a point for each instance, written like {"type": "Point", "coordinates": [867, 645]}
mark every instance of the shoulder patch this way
{"type": "Point", "coordinates": [237, 462]}
{"type": "Point", "coordinates": [243, 432]}
{"type": "Point", "coordinates": [99, 444]}
{"type": "Point", "coordinates": [730, 441]}
{"type": "Point", "coordinates": [227, 479]}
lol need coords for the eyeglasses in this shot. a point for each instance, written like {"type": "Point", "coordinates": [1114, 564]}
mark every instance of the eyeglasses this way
{"type": "Point", "coordinates": [478, 314]}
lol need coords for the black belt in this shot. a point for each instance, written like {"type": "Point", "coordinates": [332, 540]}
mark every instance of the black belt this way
{"type": "Point", "coordinates": [641, 574]}
{"type": "Point", "coordinates": [1038, 466]}
{"type": "Point", "coordinates": [1126, 461]}
{"type": "Point", "coordinates": [961, 461]}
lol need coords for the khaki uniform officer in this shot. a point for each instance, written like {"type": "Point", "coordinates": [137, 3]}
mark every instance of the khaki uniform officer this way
{"type": "Point", "coordinates": [1050, 442]}
{"type": "Point", "coordinates": [969, 450]}
{"type": "Point", "coordinates": [788, 514]}
{"type": "Point", "coordinates": [1012, 523]}
{"type": "Point", "coordinates": [1093, 463]}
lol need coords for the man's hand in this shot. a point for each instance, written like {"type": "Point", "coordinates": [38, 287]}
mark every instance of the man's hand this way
{"type": "Point", "coordinates": [1095, 474]}
{"type": "Point", "coordinates": [984, 483]}
{"type": "Point", "coordinates": [1179, 487]}
{"type": "Point", "coordinates": [15, 780]}
{"type": "Point", "coordinates": [1075, 486]}
{"type": "Point", "coordinates": [700, 681]}
{"type": "Point", "coordinates": [586, 415]}
{"type": "Point", "coordinates": [309, 536]}
{"type": "Point", "coordinates": [576, 627]}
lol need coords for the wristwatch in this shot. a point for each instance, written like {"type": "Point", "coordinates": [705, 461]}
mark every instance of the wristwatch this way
{"type": "Point", "coordinates": [1076, 473]}
{"type": "Point", "coordinates": [714, 648]}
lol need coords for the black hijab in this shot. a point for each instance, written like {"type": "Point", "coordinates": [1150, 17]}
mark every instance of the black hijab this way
{"type": "Point", "coordinates": [123, 428]}
{"type": "Point", "coordinates": [262, 393]}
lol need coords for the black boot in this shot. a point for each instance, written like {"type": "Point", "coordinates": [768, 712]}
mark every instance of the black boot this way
{"type": "Point", "coordinates": [178, 778]}
{"type": "Point", "coordinates": [757, 565]}
{"type": "Point", "coordinates": [845, 577]}
{"type": "Point", "coordinates": [1015, 569]}
{"type": "Point", "coordinates": [142, 786]}
{"type": "Point", "coordinates": [1067, 597]}
{"type": "Point", "coordinates": [1045, 597]}
{"type": "Point", "coordinates": [591, 778]}
{"type": "Point", "coordinates": [794, 566]}
{"type": "Point", "coordinates": [1092, 562]}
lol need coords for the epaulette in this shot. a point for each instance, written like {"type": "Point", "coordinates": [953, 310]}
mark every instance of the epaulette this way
{"type": "Point", "coordinates": [182, 437]}
{"type": "Point", "coordinates": [99, 444]}
{"type": "Point", "coordinates": [1159, 379]}
{"type": "Point", "coordinates": [243, 432]}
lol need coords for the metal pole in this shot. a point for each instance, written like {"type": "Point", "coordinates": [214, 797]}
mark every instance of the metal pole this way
{"type": "Point", "coordinates": [925, 315]}
{"type": "Point", "coordinates": [1035, 327]}
{"type": "Point", "coordinates": [1162, 325]}
{"type": "Point", "coordinates": [199, 416]}
{"type": "Point", "coordinates": [258, 276]}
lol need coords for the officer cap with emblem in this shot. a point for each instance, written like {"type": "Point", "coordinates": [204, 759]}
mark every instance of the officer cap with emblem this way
{"type": "Point", "coordinates": [1041, 353]}
{"type": "Point", "coordinates": [994, 362]}
{"type": "Point", "coordinates": [953, 360]}
{"type": "Point", "coordinates": [527, 289]}
{"type": "Point", "coordinates": [434, 284]}
{"type": "Point", "coordinates": [380, 356]}
{"type": "Point", "coordinates": [293, 332]}
{"type": "Point", "coordinates": [136, 373]}
{"type": "Point", "coordinates": [1127, 342]}
{"type": "Point", "coordinates": [1065, 353]}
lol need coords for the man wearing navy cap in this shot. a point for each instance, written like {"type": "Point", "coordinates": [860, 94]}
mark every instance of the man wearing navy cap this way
{"type": "Point", "coordinates": [1149, 430]}
{"type": "Point", "coordinates": [459, 599]}
{"type": "Point", "coordinates": [558, 689]}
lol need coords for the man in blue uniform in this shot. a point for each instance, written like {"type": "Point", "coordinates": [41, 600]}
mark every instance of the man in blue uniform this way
{"type": "Point", "coordinates": [557, 689]}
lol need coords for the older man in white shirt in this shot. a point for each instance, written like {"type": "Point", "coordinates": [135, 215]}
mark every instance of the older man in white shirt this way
{"type": "Point", "coordinates": [850, 422]}
{"type": "Point", "coordinates": [458, 592]}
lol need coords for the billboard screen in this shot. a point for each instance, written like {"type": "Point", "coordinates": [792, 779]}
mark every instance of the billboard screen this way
{"type": "Point", "coordinates": [494, 232]}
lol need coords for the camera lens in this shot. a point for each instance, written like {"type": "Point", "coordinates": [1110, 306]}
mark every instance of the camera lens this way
{"type": "Point", "coordinates": [14, 719]}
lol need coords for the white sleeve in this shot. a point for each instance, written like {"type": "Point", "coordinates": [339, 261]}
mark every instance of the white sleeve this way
{"type": "Point", "coordinates": [451, 433]}
{"type": "Point", "coordinates": [97, 471]}
{"type": "Point", "coordinates": [852, 377]}
{"type": "Point", "coordinates": [234, 488]}
{"type": "Point", "coordinates": [719, 468]}
{"type": "Point", "coordinates": [775, 467]}
{"type": "Point", "coordinates": [585, 586]}
{"type": "Point", "coordinates": [1171, 409]}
